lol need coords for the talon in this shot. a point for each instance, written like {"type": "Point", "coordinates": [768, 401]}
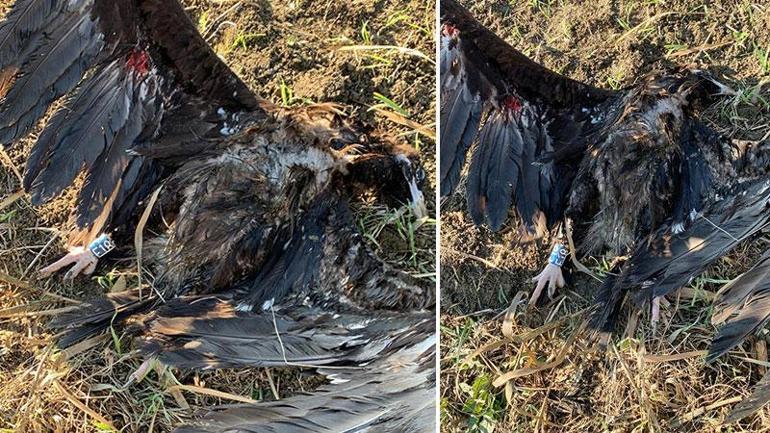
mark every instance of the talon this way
{"type": "Point", "coordinates": [82, 259]}
{"type": "Point", "coordinates": [69, 276]}
{"type": "Point", "coordinates": [552, 277]}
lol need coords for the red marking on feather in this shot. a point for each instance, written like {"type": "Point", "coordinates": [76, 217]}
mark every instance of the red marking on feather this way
{"type": "Point", "coordinates": [450, 30]}
{"type": "Point", "coordinates": [139, 61]}
{"type": "Point", "coordinates": [512, 103]}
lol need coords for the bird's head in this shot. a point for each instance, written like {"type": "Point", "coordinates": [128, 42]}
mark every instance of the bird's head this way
{"type": "Point", "coordinates": [711, 84]}
{"type": "Point", "coordinates": [372, 161]}
{"type": "Point", "coordinates": [393, 171]}
{"type": "Point", "coordinates": [701, 86]}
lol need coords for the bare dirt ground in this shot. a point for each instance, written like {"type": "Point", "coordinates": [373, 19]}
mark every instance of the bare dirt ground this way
{"type": "Point", "coordinates": [375, 57]}
{"type": "Point", "coordinates": [645, 382]}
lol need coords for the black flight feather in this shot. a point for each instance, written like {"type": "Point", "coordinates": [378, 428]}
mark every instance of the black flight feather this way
{"type": "Point", "coordinates": [26, 18]}
{"type": "Point", "coordinates": [494, 170]}
{"type": "Point", "coordinates": [393, 392]}
{"type": "Point", "coordinates": [742, 306]}
{"type": "Point", "coordinates": [101, 112]}
{"type": "Point", "coordinates": [112, 165]}
{"type": "Point", "coordinates": [99, 314]}
{"type": "Point", "coordinates": [460, 118]}
{"type": "Point", "coordinates": [211, 333]}
{"type": "Point", "coordinates": [53, 70]}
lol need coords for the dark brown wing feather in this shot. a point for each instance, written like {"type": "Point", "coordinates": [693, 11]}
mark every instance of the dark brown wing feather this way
{"type": "Point", "coordinates": [133, 71]}
{"type": "Point", "coordinates": [383, 378]}
{"type": "Point", "coordinates": [741, 308]}
{"type": "Point", "coordinates": [668, 262]}
{"type": "Point", "coordinates": [212, 332]}
{"type": "Point", "coordinates": [665, 261]}
{"type": "Point", "coordinates": [527, 106]}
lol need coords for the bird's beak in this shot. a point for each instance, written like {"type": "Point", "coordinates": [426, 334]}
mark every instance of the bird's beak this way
{"type": "Point", "coordinates": [416, 197]}
{"type": "Point", "coordinates": [721, 89]}
{"type": "Point", "coordinates": [417, 202]}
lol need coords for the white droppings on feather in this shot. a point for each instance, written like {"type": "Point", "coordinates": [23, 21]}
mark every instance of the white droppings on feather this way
{"type": "Point", "coordinates": [268, 304]}
{"type": "Point", "coordinates": [335, 380]}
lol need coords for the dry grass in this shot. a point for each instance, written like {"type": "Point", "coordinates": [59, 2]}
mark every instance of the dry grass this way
{"type": "Point", "coordinates": [289, 52]}
{"type": "Point", "coordinates": [648, 381]}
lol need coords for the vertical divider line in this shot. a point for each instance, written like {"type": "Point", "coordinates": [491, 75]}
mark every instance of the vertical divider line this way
{"type": "Point", "coordinates": [437, 39]}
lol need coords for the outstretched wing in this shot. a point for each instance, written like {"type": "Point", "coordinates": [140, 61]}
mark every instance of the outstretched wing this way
{"type": "Point", "coordinates": [382, 377]}
{"type": "Point", "coordinates": [667, 261]}
{"type": "Point", "coordinates": [134, 74]}
{"type": "Point", "coordinates": [212, 332]}
{"type": "Point", "coordinates": [528, 113]}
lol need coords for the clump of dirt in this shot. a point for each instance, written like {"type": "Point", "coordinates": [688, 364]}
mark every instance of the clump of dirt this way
{"type": "Point", "coordinates": [610, 44]}
{"type": "Point", "coordinates": [291, 53]}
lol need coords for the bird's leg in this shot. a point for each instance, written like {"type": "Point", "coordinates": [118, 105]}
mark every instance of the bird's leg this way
{"type": "Point", "coordinates": [573, 251]}
{"type": "Point", "coordinates": [655, 313]}
{"type": "Point", "coordinates": [655, 304]}
{"type": "Point", "coordinates": [84, 259]}
{"type": "Point", "coordinates": [551, 275]}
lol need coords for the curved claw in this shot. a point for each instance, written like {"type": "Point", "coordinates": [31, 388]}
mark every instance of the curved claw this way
{"type": "Point", "coordinates": [551, 276]}
{"type": "Point", "coordinates": [83, 261]}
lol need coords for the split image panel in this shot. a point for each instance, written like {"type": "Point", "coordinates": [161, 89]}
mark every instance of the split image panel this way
{"type": "Point", "coordinates": [604, 189]}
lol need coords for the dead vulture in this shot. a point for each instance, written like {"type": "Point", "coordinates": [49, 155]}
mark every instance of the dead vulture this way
{"type": "Point", "coordinates": [614, 165]}
{"type": "Point", "coordinates": [258, 260]}
{"type": "Point", "coordinates": [634, 169]}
